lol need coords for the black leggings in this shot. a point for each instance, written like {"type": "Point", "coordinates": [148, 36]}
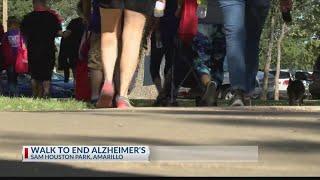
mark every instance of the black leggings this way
{"type": "Point", "coordinates": [157, 55]}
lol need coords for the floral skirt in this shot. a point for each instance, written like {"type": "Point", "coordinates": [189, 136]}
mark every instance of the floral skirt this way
{"type": "Point", "coordinates": [210, 48]}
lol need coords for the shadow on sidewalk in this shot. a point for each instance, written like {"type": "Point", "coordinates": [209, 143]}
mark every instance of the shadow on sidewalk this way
{"type": "Point", "coordinates": [19, 169]}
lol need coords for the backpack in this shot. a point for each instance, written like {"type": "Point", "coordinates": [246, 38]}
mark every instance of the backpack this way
{"type": "Point", "coordinates": [82, 89]}
{"type": "Point", "coordinates": [189, 21]}
{"type": "Point", "coordinates": [21, 65]}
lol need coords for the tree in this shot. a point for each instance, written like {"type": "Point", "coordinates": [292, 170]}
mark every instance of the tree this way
{"type": "Point", "coordinates": [301, 45]}
{"type": "Point", "coordinates": [19, 8]}
{"type": "Point", "coordinates": [279, 55]}
{"type": "Point", "coordinates": [4, 14]}
{"type": "Point", "coordinates": [269, 58]}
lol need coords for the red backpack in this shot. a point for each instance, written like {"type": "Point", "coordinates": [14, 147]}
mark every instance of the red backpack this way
{"type": "Point", "coordinates": [189, 21]}
{"type": "Point", "coordinates": [83, 90]}
{"type": "Point", "coordinates": [8, 58]}
{"type": "Point", "coordinates": [21, 66]}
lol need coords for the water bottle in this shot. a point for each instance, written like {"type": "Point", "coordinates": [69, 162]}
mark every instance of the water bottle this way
{"type": "Point", "coordinates": [202, 9]}
{"type": "Point", "coordinates": [159, 9]}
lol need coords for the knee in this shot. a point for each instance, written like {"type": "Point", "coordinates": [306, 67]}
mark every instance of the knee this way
{"type": "Point", "coordinates": [108, 39]}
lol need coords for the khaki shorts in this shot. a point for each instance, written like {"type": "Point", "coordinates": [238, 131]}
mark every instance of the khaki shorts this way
{"type": "Point", "coordinates": [95, 59]}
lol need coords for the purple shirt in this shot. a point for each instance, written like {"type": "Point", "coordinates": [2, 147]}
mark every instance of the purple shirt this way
{"type": "Point", "coordinates": [14, 40]}
{"type": "Point", "coordinates": [95, 24]}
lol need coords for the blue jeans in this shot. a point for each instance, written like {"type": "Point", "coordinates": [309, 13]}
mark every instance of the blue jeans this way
{"type": "Point", "coordinates": [234, 23]}
{"type": "Point", "coordinates": [256, 14]}
{"type": "Point", "coordinates": [12, 81]}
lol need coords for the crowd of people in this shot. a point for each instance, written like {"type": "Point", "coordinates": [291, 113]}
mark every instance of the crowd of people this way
{"type": "Point", "coordinates": [109, 35]}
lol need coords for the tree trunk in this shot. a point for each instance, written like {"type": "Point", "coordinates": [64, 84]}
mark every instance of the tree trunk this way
{"type": "Point", "coordinates": [5, 14]}
{"type": "Point", "coordinates": [278, 68]}
{"type": "Point", "coordinates": [269, 58]}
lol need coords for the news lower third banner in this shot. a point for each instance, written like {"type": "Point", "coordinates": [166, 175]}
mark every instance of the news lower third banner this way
{"type": "Point", "coordinates": [140, 153]}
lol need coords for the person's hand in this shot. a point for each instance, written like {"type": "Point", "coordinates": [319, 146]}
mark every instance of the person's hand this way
{"type": "Point", "coordinates": [179, 8]}
{"type": "Point", "coordinates": [66, 34]}
{"type": "Point", "coordinates": [178, 12]}
{"type": "Point", "coordinates": [86, 21]}
{"type": "Point", "coordinates": [60, 34]}
{"type": "Point", "coordinates": [286, 7]}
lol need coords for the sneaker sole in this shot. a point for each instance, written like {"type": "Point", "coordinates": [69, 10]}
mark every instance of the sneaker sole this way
{"type": "Point", "coordinates": [237, 103]}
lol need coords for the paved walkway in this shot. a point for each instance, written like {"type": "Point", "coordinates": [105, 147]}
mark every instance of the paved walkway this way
{"type": "Point", "coordinates": [288, 139]}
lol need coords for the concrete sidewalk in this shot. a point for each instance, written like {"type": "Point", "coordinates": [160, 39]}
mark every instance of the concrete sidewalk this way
{"type": "Point", "coordinates": [288, 139]}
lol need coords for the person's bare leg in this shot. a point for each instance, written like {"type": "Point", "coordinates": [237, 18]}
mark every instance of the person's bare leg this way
{"type": "Point", "coordinates": [110, 27]}
{"type": "Point", "coordinates": [209, 97]}
{"type": "Point", "coordinates": [40, 90]}
{"type": "Point", "coordinates": [131, 39]}
{"type": "Point", "coordinates": [35, 88]}
{"type": "Point", "coordinates": [205, 79]}
{"type": "Point", "coordinates": [46, 89]}
{"type": "Point", "coordinates": [96, 80]}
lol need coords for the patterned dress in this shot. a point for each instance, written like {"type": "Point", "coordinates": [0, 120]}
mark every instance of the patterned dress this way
{"type": "Point", "coordinates": [210, 47]}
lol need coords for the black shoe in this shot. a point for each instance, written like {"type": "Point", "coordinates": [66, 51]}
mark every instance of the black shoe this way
{"type": "Point", "coordinates": [161, 102]}
{"type": "Point", "coordinates": [247, 101]}
{"type": "Point", "coordinates": [157, 103]}
{"type": "Point", "coordinates": [238, 99]}
{"type": "Point", "coordinates": [209, 97]}
{"type": "Point", "coordinates": [173, 104]}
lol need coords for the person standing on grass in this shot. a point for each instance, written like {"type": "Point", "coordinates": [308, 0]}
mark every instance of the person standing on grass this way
{"type": "Point", "coordinates": [1, 55]}
{"type": "Point", "coordinates": [41, 27]}
{"type": "Point", "coordinates": [72, 39]}
{"type": "Point", "coordinates": [10, 47]}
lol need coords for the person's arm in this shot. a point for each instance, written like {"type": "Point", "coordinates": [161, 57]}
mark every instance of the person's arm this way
{"type": "Point", "coordinates": [86, 6]}
{"type": "Point", "coordinates": [179, 8]}
{"type": "Point", "coordinates": [23, 26]}
{"type": "Point", "coordinates": [69, 29]}
{"type": "Point", "coordinates": [60, 33]}
{"type": "Point", "coordinates": [57, 26]}
{"type": "Point", "coordinates": [286, 5]}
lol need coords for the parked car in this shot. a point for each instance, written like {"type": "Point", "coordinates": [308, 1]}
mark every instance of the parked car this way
{"type": "Point", "coordinates": [306, 78]}
{"type": "Point", "coordinates": [314, 86]}
{"type": "Point", "coordinates": [284, 79]}
{"type": "Point", "coordinates": [59, 89]}
{"type": "Point", "coordinates": [227, 92]}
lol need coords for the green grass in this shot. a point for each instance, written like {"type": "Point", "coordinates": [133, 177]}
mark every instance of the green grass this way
{"type": "Point", "coordinates": [29, 104]}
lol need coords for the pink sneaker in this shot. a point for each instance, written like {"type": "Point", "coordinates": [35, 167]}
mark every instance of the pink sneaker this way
{"type": "Point", "coordinates": [123, 103]}
{"type": "Point", "coordinates": [106, 97]}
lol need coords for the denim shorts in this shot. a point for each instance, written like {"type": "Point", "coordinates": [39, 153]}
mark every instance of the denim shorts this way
{"type": "Point", "coordinates": [142, 6]}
